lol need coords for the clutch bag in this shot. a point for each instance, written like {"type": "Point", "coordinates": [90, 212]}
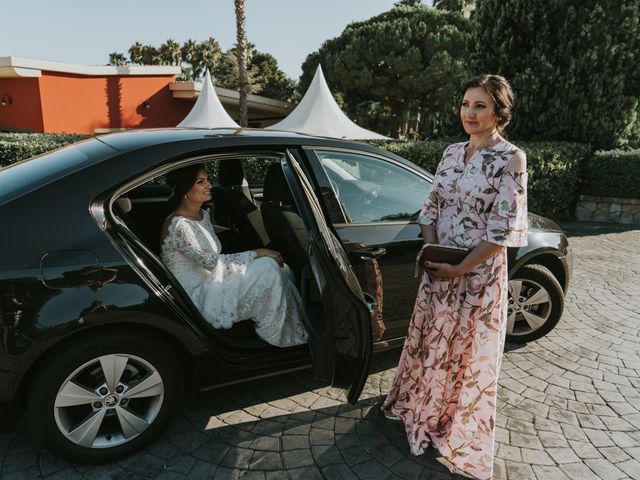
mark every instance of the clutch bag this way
{"type": "Point", "coordinates": [433, 252]}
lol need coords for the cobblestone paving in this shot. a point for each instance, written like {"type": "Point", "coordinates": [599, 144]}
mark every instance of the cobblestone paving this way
{"type": "Point", "coordinates": [569, 407]}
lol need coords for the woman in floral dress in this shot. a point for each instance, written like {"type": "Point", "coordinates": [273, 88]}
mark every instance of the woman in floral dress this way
{"type": "Point", "coordinates": [445, 386]}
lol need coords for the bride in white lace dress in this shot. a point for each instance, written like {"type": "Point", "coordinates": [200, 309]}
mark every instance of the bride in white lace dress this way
{"type": "Point", "coordinates": [227, 288]}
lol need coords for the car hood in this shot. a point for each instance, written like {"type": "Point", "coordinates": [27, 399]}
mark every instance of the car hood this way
{"type": "Point", "coordinates": [540, 223]}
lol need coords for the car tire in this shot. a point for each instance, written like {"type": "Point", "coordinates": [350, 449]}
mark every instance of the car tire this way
{"type": "Point", "coordinates": [536, 303]}
{"type": "Point", "coordinates": [105, 397]}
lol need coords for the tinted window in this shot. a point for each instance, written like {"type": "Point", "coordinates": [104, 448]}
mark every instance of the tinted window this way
{"type": "Point", "coordinates": [372, 189]}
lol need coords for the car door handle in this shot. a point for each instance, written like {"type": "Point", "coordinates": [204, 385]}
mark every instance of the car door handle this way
{"type": "Point", "coordinates": [369, 253]}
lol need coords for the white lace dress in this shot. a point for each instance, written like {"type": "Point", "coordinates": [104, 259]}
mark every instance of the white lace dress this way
{"type": "Point", "coordinates": [229, 288]}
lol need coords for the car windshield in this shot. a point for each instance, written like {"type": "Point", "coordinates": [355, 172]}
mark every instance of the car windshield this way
{"type": "Point", "coordinates": [27, 175]}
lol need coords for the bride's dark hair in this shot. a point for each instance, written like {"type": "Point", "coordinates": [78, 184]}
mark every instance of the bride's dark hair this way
{"type": "Point", "coordinates": [181, 181]}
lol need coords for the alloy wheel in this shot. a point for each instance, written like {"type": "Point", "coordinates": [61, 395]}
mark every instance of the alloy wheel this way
{"type": "Point", "coordinates": [108, 401]}
{"type": "Point", "coordinates": [529, 307]}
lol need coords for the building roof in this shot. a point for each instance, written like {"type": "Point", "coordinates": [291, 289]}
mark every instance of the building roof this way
{"type": "Point", "coordinates": [30, 67]}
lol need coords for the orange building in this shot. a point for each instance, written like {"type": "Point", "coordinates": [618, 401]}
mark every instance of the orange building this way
{"type": "Point", "coordinates": [53, 97]}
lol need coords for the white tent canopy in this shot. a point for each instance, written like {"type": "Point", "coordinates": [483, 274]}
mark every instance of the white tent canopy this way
{"type": "Point", "coordinates": [208, 112]}
{"type": "Point", "coordinates": [319, 114]}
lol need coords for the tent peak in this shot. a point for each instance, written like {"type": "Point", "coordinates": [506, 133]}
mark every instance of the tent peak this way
{"type": "Point", "coordinates": [208, 112]}
{"type": "Point", "coordinates": [318, 113]}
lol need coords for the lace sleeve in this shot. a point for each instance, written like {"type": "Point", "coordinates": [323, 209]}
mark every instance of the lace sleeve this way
{"type": "Point", "coordinates": [238, 259]}
{"type": "Point", "coordinates": [194, 244]}
{"type": "Point", "coordinates": [231, 259]}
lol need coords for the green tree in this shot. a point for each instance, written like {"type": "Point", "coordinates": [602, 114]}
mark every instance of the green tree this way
{"type": "Point", "coordinates": [267, 78]}
{"type": "Point", "coordinates": [208, 55]}
{"type": "Point", "coordinates": [405, 64]}
{"type": "Point", "coordinates": [264, 77]}
{"type": "Point", "coordinates": [170, 53]}
{"type": "Point", "coordinates": [226, 71]}
{"type": "Point", "coordinates": [460, 6]}
{"type": "Point", "coordinates": [149, 55]}
{"type": "Point", "coordinates": [573, 66]}
{"type": "Point", "coordinates": [135, 53]}
{"type": "Point", "coordinates": [117, 58]}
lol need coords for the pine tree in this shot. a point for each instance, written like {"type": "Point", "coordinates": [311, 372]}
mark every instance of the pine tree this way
{"type": "Point", "coordinates": [574, 66]}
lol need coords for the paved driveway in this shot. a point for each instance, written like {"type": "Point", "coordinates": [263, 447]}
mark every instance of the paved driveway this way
{"type": "Point", "coordinates": [569, 406]}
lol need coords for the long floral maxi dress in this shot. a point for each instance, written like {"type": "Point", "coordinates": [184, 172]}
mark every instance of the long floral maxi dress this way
{"type": "Point", "coordinates": [445, 386]}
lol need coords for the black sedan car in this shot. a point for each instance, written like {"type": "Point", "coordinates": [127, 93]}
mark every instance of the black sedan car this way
{"type": "Point", "coordinates": [99, 340]}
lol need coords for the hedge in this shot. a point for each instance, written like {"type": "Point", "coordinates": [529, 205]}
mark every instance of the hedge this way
{"type": "Point", "coordinates": [613, 173]}
{"type": "Point", "coordinates": [19, 146]}
{"type": "Point", "coordinates": [555, 168]}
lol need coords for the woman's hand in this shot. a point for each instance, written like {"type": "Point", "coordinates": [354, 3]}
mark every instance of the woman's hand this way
{"type": "Point", "coordinates": [265, 252]}
{"type": "Point", "coordinates": [443, 271]}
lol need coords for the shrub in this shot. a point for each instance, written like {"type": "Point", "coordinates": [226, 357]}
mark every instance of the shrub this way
{"type": "Point", "coordinates": [554, 168]}
{"type": "Point", "coordinates": [613, 173]}
{"type": "Point", "coordinates": [15, 147]}
{"type": "Point", "coordinates": [555, 176]}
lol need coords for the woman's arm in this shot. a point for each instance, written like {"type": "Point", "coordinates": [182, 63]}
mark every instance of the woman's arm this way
{"type": "Point", "coordinates": [429, 234]}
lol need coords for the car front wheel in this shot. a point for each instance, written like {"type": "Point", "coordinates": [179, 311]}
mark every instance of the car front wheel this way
{"type": "Point", "coordinates": [536, 302]}
{"type": "Point", "coordinates": [105, 398]}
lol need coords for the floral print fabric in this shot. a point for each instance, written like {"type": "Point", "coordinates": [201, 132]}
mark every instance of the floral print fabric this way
{"type": "Point", "coordinates": [445, 386]}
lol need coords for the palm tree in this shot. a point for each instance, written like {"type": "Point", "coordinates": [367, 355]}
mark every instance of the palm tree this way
{"type": "Point", "coordinates": [241, 52]}
{"type": "Point", "coordinates": [135, 53]}
{"type": "Point", "coordinates": [170, 53]}
{"type": "Point", "coordinates": [117, 58]}
{"type": "Point", "coordinates": [149, 55]}
{"type": "Point", "coordinates": [208, 55]}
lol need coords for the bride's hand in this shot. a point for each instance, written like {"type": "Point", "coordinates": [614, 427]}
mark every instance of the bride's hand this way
{"type": "Point", "coordinates": [265, 252]}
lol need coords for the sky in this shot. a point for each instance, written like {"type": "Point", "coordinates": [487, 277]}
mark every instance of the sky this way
{"type": "Point", "coordinates": [85, 32]}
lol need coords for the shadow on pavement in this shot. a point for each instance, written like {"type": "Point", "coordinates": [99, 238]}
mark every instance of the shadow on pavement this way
{"type": "Point", "coordinates": [585, 229]}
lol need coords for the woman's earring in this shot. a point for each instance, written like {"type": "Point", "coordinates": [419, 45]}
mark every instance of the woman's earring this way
{"type": "Point", "coordinates": [185, 196]}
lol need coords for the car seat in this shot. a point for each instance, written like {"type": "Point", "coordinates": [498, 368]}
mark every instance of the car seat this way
{"type": "Point", "coordinates": [234, 207]}
{"type": "Point", "coordinates": [282, 220]}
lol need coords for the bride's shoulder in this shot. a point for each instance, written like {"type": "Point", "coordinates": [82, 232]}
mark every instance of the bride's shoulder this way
{"type": "Point", "coordinates": [169, 221]}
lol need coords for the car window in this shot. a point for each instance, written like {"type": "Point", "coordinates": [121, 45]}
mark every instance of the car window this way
{"type": "Point", "coordinates": [255, 169]}
{"type": "Point", "coordinates": [372, 189]}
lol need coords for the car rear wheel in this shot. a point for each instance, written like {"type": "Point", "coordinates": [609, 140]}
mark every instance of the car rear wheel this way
{"type": "Point", "coordinates": [536, 302]}
{"type": "Point", "coordinates": [105, 398]}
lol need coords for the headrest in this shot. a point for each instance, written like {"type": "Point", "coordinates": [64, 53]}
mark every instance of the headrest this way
{"type": "Point", "coordinates": [230, 172]}
{"type": "Point", "coordinates": [123, 204]}
{"type": "Point", "coordinates": [276, 190]}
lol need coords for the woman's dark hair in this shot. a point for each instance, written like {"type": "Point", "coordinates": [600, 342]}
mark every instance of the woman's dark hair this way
{"type": "Point", "coordinates": [181, 181]}
{"type": "Point", "coordinates": [500, 90]}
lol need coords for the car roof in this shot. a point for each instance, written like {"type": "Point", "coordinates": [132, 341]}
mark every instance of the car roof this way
{"type": "Point", "coordinates": [139, 139]}
{"type": "Point", "coordinates": [134, 139]}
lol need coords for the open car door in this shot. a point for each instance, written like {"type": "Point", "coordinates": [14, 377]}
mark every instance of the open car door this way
{"type": "Point", "coordinates": [340, 342]}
